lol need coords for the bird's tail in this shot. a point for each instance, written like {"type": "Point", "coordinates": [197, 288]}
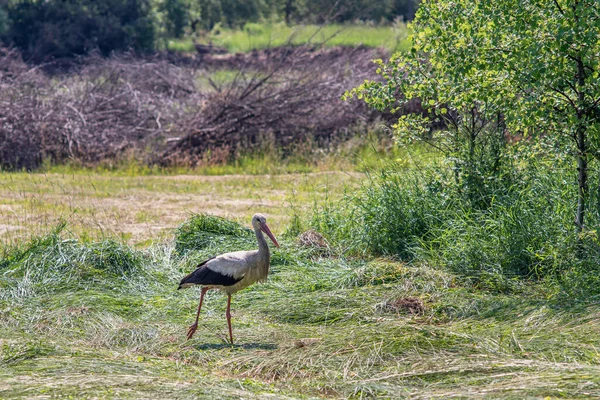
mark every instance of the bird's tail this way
{"type": "Point", "coordinates": [185, 282]}
{"type": "Point", "coordinates": [193, 278]}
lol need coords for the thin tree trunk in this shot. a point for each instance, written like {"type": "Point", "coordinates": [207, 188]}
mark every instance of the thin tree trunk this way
{"type": "Point", "coordinates": [582, 156]}
{"type": "Point", "coordinates": [598, 195]}
{"type": "Point", "coordinates": [582, 166]}
{"type": "Point", "coordinates": [471, 173]}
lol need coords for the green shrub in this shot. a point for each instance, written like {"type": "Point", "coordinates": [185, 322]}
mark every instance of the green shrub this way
{"type": "Point", "coordinates": [580, 277]}
{"type": "Point", "coordinates": [505, 242]}
{"type": "Point", "coordinates": [176, 17]}
{"type": "Point", "coordinates": [524, 230]}
{"type": "Point", "coordinates": [395, 213]}
{"type": "Point", "coordinates": [4, 21]}
{"type": "Point", "coordinates": [391, 213]}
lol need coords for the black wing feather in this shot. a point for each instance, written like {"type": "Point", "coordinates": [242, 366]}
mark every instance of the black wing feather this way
{"type": "Point", "coordinates": [206, 276]}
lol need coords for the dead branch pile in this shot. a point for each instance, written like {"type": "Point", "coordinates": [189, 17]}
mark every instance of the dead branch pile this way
{"type": "Point", "coordinates": [20, 112]}
{"type": "Point", "coordinates": [99, 112]}
{"type": "Point", "coordinates": [285, 96]}
{"type": "Point", "coordinates": [157, 110]}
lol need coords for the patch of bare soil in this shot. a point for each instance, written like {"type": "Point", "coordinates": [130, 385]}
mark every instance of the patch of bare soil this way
{"type": "Point", "coordinates": [409, 305]}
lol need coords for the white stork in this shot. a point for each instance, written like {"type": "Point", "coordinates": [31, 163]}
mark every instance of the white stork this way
{"type": "Point", "coordinates": [232, 272]}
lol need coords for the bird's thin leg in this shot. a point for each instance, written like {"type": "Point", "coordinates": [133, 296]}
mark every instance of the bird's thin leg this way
{"type": "Point", "coordinates": [193, 328]}
{"type": "Point", "coordinates": [228, 314]}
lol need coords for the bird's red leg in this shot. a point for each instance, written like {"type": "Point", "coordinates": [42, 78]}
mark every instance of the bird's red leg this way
{"type": "Point", "coordinates": [228, 314]}
{"type": "Point", "coordinates": [193, 328]}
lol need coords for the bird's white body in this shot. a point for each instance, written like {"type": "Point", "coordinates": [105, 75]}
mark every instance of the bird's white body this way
{"type": "Point", "coordinates": [248, 267]}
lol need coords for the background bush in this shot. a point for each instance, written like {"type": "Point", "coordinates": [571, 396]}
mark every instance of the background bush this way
{"type": "Point", "coordinates": [64, 28]}
{"type": "Point", "coordinates": [394, 210]}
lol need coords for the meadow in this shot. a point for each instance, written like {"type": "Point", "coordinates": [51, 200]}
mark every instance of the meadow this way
{"type": "Point", "coordinates": [256, 36]}
{"type": "Point", "coordinates": [439, 265]}
{"type": "Point", "coordinates": [89, 306]}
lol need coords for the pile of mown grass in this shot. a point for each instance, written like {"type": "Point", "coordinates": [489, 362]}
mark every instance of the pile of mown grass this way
{"type": "Point", "coordinates": [49, 264]}
{"type": "Point", "coordinates": [105, 320]}
{"type": "Point", "coordinates": [207, 232]}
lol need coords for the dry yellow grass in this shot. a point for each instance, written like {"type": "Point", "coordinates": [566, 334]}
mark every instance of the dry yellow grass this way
{"type": "Point", "coordinates": [142, 208]}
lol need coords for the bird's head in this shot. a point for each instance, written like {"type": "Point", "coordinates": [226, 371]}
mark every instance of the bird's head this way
{"type": "Point", "coordinates": [259, 222]}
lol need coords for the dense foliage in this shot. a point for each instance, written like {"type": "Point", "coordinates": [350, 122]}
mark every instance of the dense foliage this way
{"type": "Point", "coordinates": [63, 28]}
{"type": "Point", "coordinates": [205, 14]}
{"type": "Point", "coordinates": [419, 214]}
{"type": "Point", "coordinates": [54, 29]}
{"type": "Point", "coordinates": [494, 71]}
{"type": "Point", "coordinates": [511, 98]}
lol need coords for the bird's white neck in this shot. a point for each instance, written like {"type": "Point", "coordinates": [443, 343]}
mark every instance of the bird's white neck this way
{"type": "Point", "coordinates": [260, 268]}
{"type": "Point", "coordinates": [263, 247]}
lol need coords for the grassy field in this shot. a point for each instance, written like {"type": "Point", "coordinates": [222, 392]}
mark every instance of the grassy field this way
{"type": "Point", "coordinates": [260, 36]}
{"type": "Point", "coordinates": [142, 204]}
{"type": "Point", "coordinates": [144, 208]}
{"type": "Point", "coordinates": [90, 310]}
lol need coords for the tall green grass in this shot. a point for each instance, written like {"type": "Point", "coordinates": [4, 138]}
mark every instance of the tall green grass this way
{"type": "Point", "coordinates": [388, 216]}
{"type": "Point", "coordinates": [421, 214]}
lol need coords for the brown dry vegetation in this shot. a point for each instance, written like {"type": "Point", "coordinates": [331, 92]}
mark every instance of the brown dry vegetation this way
{"type": "Point", "coordinates": [157, 110]}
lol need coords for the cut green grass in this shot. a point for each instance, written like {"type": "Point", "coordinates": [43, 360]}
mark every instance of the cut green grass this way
{"type": "Point", "coordinates": [261, 36]}
{"type": "Point", "coordinates": [323, 326]}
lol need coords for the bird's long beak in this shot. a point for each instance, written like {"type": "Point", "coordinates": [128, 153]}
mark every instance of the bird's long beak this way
{"type": "Point", "coordinates": [266, 230]}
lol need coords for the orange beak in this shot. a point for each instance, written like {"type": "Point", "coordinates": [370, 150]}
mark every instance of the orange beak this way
{"type": "Point", "coordinates": [265, 229]}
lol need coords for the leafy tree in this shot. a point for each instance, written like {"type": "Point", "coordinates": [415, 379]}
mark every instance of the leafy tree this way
{"type": "Point", "coordinates": [532, 63]}
{"type": "Point", "coordinates": [551, 56]}
{"type": "Point", "coordinates": [348, 10]}
{"type": "Point", "coordinates": [177, 16]}
{"type": "Point", "coordinates": [404, 8]}
{"type": "Point", "coordinates": [59, 28]}
{"type": "Point", "coordinates": [232, 13]}
{"type": "Point", "coordinates": [206, 14]}
{"type": "Point", "coordinates": [460, 117]}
